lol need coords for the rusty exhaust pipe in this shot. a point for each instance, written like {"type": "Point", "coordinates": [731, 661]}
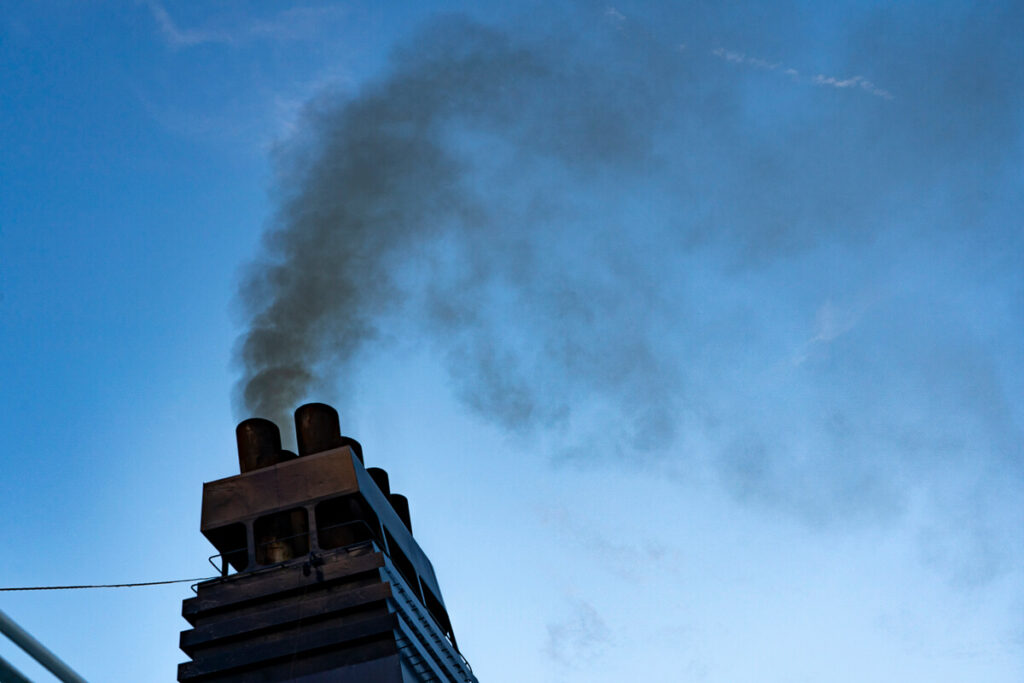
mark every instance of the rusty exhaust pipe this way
{"type": "Point", "coordinates": [356, 447]}
{"type": "Point", "coordinates": [259, 444]}
{"type": "Point", "coordinates": [380, 478]}
{"type": "Point", "coordinates": [317, 428]}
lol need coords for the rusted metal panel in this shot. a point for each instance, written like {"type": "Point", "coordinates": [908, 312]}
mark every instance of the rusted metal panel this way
{"type": "Point", "coordinates": [394, 524]}
{"type": "Point", "coordinates": [281, 646]}
{"type": "Point", "coordinates": [329, 576]}
{"type": "Point", "coordinates": [378, 661]}
{"type": "Point", "coordinates": [250, 587]}
{"type": "Point", "coordinates": [401, 506]}
{"type": "Point", "coordinates": [278, 487]}
{"type": "Point", "coordinates": [282, 614]}
{"type": "Point", "coordinates": [259, 444]}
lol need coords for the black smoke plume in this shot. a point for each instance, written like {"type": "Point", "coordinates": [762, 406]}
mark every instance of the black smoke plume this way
{"type": "Point", "coordinates": [604, 229]}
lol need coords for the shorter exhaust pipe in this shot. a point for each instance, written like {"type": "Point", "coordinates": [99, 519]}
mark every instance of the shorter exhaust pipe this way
{"type": "Point", "coordinates": [259, 444]}
{"type": "Point", "coordinates": [401, 505]}
{"type": "Point", "coordinates": [317, 428]}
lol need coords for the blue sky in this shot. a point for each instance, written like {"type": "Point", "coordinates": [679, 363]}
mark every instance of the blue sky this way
{"type": "Point", "coordinates": [692, 333]}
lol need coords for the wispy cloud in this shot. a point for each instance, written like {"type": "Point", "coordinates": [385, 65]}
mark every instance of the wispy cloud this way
{"type": "Point", "coordinates": [740, 58]}
{"type": "Point", "coordinates": [578, 638]}
{"type": "Point", "coordinates": [618, 19]}
{"type": "Point", "coordinates": [615, 16]}
{"type": "Point", "coordinates": [299, 23]}
{"type": "Point", "coordinates": [855, 82]}
{"type": "Point", "coordinates": [830, 323]}
{"type": "Point", "coordinates": [617, 557]}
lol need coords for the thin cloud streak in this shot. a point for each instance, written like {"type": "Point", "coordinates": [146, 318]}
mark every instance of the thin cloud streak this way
{"type": "Point", "coordinates": [856, 82]}
{"type": "Point", "coordinates": [298, 23]}
{"type": "Point", "coordinates": [618, 19]}
{"type": "Point", "coordinates": [831, 321]}
{"type": "Point", "coordinates": [579, 638]}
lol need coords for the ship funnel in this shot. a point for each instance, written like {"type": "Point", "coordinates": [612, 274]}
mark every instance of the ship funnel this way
{"type": "Point", "coordinates": [380, 478]}
{"type": "Point", "coordinates": [317, 428]}
{"type": "Point", "coordinates": [259, 444]}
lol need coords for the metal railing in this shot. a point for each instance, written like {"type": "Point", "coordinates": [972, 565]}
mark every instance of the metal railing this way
{"type": "Point", "coordinates": [417, 617]}
{"type": "Point", "coordinates": [222, 561]}
{"type": "Point", "coordinates": [372, 538]}
{"type": "Point", "coordinates": [37, 650]}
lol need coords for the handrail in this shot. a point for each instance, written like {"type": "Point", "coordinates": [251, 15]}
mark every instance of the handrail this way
{"type": "Point", "coordinates": [425, 616]}
{"type": "Point", "coordinates": [355, 522]}
{"type": "Point", "coordinates": [37, 650]}
{"type": "Point", "coordinates": [9, 674]}
{"type": "Point", "coordinates": [223, 568]}
{"type": "Point", "coordinates": [374, 538]}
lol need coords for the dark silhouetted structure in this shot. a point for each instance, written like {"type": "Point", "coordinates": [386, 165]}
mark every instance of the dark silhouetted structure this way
{"type": "Point", "coordinates": [321, 579]}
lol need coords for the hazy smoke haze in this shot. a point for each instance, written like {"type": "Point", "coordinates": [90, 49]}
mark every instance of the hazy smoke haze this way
{"type": "Point", "coordinates": [612, 242]}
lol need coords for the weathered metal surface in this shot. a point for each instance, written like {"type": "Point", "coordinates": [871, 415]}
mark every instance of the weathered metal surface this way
{"type": "Point", "coordinates": [259, 444]}
{"type": "Point", "coordinates": [380, 478]}
{"type": "Point", "coordinates": [329, 578]}
{"type": "Point", "coordinates": [278, 487]}
{"type": "Point", "coordinates": [285, 614]}
{"type": "Point", "coordinates": [240, 589]}
{"type": "Point", "coordinates": [357, 448]}
{"type": "Point", "coordinates": [396, 527]}
{"type": "Point", "coordinates": [401, 505]}
{"type": "Point", "coordinates": [354, 606]}
{"type": "Point", "coordinates": [278, 646]}
{"type": "Point", "coordinates": [317, 428]}
{"type": "Point", "coordinates": [306, 481]}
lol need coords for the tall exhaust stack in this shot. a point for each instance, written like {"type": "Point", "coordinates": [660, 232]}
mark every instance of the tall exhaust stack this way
{"type": "Point", "coordinates": [321, 578]}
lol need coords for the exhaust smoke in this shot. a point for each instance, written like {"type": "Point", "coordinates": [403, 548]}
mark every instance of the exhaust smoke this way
{"type": "Point", "coordinates": [604, 231]}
